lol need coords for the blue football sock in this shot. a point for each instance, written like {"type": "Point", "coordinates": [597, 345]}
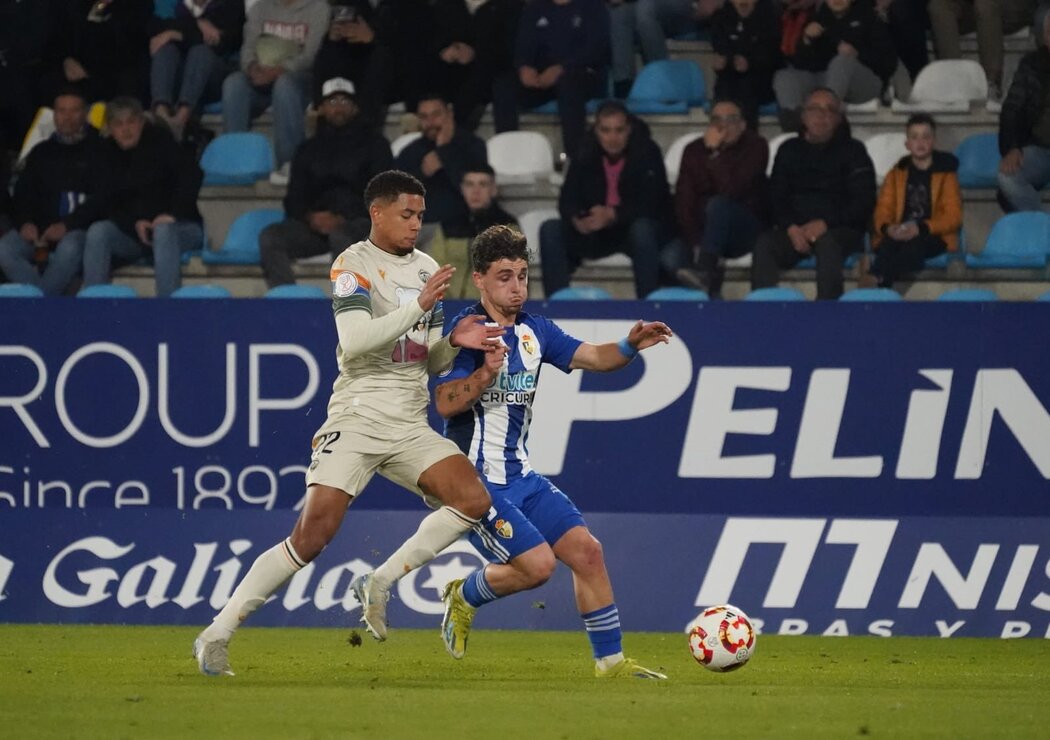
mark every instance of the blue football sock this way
{"type": "Point", "coordinates": [476, 590]}
{"type": "Point", "coordinates": [603, 630]}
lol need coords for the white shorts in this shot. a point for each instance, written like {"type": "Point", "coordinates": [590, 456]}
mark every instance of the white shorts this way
{"type": "Point", "coordinates": [347, 460]}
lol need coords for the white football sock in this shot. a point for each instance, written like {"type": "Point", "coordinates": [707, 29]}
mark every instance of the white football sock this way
{"type": "Point", "coordinates": [267, 574]}
{"type": "Point", "coordinates": [609, 661]}
{"type": "Point", "coordinates": [436, 532]}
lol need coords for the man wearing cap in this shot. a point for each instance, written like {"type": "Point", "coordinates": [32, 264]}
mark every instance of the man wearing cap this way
{"type": "Point", "coordinates": [324, 206]}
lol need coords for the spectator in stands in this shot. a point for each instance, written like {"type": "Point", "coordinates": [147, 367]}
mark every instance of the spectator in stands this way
{"type": "Point", "coordinates": [908, 22]}
{"type": "Point", "coordinates": [452, 243]}
{"type": "Point", "coordinates": [325, 204]}
{"type": "Point", "coordinates": [823, 195]}
{"type": "Point", "coordinates": [103, 46]}
{"type": "Point", "coordinates": [562, 54]}
{"type": "Point", "coordinates": [149, 200]}
{"type": "Point", "coordinates": [53, 201]}
{"type": "Point", "coordinates": [439, 158]}
{"type": "Point", "coordinates": [722, 196]}
{"type": "Point", "coordinates": [992, 19]}
{"type": "Point", "coordinates": [745, 37]}
{"type": "Point", "coordinates": [353, 51]}
{"type": "Point", "coordinates": [1024, 124]}
{"type": "Point", "coordinates": [615, 199]}
{"type": "Point", "coordinates": [846, 48]}
{"type": "Point", "coordinates": [919, 210]}
{"type": "Point", "coordinates": [24, 30]}
{"type": "Point", "coordinates": [475, 42]}
{"type": "Point", "coordinates": [191, 57]}
{"type": "Point", "coordinates": [281, 39]}
{"type": "Point", "coordinates": [406, 27]}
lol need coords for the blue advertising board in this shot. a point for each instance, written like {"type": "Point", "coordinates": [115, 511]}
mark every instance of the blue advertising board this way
{"type": "Point", "coordinates": [829, 468]}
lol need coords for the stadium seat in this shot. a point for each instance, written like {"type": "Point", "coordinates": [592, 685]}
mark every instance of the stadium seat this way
{"type": "Point", "coordinates": [1017, 241]}
{"type": "Point", "coordinates": [241, 246]}
{"type": "Point", "coordinates": [1044, 297]}
{"type": "Point", "coordinates": [202, 291]}
{"type": "Point", "coordinates": [871, 295]}
{"type": "Point", "coordinates": [945, 85]}
{"type": "Point", "coordinates": [667, 86]}
{"type": "Point", "coordinates": [979, 161]}
{"type": "Point", "coordinates": [885, 151]}
{"type": "Point", "coordinates": [968, 294]}
{"type": "Point", "coordinates": [777, 293]}
{"type": "Point", "coordinates": [673, 158]}
{"type": "Point", "coordinates": [774, 145]}
{"type": "Point", "coordinates": [296, 291]}
{"type": "Point", "coordinates": [237, 159]}
{"type": "Point", "coordinates": [398, 145]}
{"type": "Point", "coordinates": [107, 290]}
{"type": "Point", "coordinates": [20, 290]}
{"type": "Point", "coordinates": [530, 223]}
{"type": "Point", "coordinates": [580, 293]}
{"type": "Point", "coordinates": [677, 293]}
{"type": "Point", "coordinates": [522, 157]}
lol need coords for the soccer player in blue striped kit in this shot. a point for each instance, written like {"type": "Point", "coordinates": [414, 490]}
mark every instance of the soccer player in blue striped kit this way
{"type": "Point", "coordinates": [487, 400]}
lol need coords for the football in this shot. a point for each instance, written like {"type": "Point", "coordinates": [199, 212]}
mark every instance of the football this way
{"type": "Point", "coordinates": [722, 639]}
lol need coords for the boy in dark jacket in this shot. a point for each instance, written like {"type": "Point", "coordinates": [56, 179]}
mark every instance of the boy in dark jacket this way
{"type": "Point", "coordinates": [53, 202]}
{"type": "Point", "coordinates": [822, 193]}
{"type": "Point", "coordinates": [325, 205]}
{"type": "Point", "coordinates": [191, 54]}
{"type": "Point", "coordinates": [745, 37]}
{"type": "Point", "coordinates": [846, 48]}
{"type": "Point", "coordinates": [1024, 124]}
{"type": "Point", "coordinates": [148, 200]}
{"type": "Point", "coordinates": [615, 199]}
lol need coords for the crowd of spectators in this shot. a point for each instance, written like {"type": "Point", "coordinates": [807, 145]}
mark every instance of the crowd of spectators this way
{"type": "Point", "coordinates": [81, 204]}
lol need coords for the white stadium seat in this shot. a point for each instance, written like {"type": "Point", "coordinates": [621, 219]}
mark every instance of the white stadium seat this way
{"type": "Point", "coordinates": [774, 145]}
{"type": "Point", "coordinates": [885, 151]}
{"type": "Point", "coordinates": [673, 158]}
{"type": "Point", "coordinates": [944, 86]}
{"type": "Point", "coordinates": [530, 223]}
{"type": "Point", "coordinates": [520, 157]}
{"type": "Point", "coordinates": [398, 144]}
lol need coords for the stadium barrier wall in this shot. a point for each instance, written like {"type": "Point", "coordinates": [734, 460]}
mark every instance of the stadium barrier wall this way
{"type": "Point", "coordinates": [829, 468]}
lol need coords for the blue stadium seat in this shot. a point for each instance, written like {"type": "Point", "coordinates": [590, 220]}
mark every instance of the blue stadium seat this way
{"type": "Point", "coordinates": [778, 293]}
{"type": "Point", "coordinates": [1044, 297]}
{"type": "Point", "coordinates": [164, 8]}
{"type": "Point", "coordinates": [296, 291]}
{"type": "Point", "coordinates": [677, 293]}
{"type": "Point", "coordinates": [237, 159]}
{"type": "Point", "coordinates": [667, 86]}
{"type": "Point", "coordinates": [1017, 241]}
{"type": "Point", "coordinates": [979, 161]}
{"type": "Point", "coordinates": [871, 294]}
{"type": "Point", "coordinates": [107, 290]}
{"type": "Point", "coordinates": [202, 291]}
{"type": "Point", "coordinates": [580, 293]}
{"type": "Point", "coordinates": [20, 290]}
{"type": "Point", "coordinates": [241, 246]}
{"type": "Point", "coordinates": [969, 294]}
{"type": "Point", "coordinates": [214, 108]}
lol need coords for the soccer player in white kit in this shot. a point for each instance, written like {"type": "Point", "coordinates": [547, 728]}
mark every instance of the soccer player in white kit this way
{"type": "Point", "coordinates": [387, 304]}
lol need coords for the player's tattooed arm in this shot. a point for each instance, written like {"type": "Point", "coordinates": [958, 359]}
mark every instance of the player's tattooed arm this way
{"type": "Point", "coordinates": [456, 396]}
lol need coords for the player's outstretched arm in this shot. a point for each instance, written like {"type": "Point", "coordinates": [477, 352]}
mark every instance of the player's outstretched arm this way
{"type": "Point", "coordinates": [614, 355]}
{"type": "Point", "coordinates": [469, 332]}
{"type": "Point", "coordinates": [456, 396]}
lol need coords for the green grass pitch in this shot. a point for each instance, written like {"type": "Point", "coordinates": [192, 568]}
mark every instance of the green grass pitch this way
{"type": "Point", "coordinates": [140, 682]}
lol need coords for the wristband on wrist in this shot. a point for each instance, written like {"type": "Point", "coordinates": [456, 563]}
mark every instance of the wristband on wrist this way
{"type": "Point", "coordinates": [627, 349]}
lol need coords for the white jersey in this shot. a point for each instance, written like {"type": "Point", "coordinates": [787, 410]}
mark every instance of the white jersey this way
{"type": "Point", "coordinates": [386, 389]}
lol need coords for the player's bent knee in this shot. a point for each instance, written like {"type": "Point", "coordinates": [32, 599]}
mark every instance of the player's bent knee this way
{"type": "Point", "coordinates": [535, 567]}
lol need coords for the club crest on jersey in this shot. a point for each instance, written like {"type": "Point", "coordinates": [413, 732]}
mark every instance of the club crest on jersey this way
{"type": "Point", "coordinates": [528, 344]}
{"type": "Point", "coordinates": [504, 529]}
{"type": "Point", "coordinates": [424, 275]}
{"type": "Point", "coordinates": [345, 284]}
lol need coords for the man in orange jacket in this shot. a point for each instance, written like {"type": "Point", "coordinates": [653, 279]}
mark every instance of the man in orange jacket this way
{"type": "Point", "coordinates": [919, 210]}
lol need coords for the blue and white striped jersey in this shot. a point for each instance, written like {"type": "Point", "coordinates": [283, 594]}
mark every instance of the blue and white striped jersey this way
{"type": "Point", "coordinates": [494, 433]}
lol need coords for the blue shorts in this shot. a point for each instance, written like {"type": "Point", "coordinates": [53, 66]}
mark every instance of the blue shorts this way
{"type": "Point", "coordinates": [525, 513]}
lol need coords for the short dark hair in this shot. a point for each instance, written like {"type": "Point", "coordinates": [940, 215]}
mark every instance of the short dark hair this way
{"type": "Point", "coordinates": [483, 167]}
{"type": "Point", "coordinates": [71, 90]}
{"type": "Point", "coordinates": [826, 90]}
{"type": "Point", "coordinates": [921, 119]}
{"type": "Point", "coordinates": [496, 243]}
{"type": "Point", "coordinates": [434, 95]}
{"type": "Point", "coordinates": [612, 108]}
{"type": "Point", "coordinates": [388, 186]}
{"type": "Point", "coordinates": [728, 101]}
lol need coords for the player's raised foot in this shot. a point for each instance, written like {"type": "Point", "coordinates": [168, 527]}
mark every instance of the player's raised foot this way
{"type": "Point", "coordinates": [213, 656]}
{"type": "Point", "coordinates": [455, 625]}
{"type": "Point", "coordinates": [373, 604]}
{"type": "Point", "coordinates": [627, 668]}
